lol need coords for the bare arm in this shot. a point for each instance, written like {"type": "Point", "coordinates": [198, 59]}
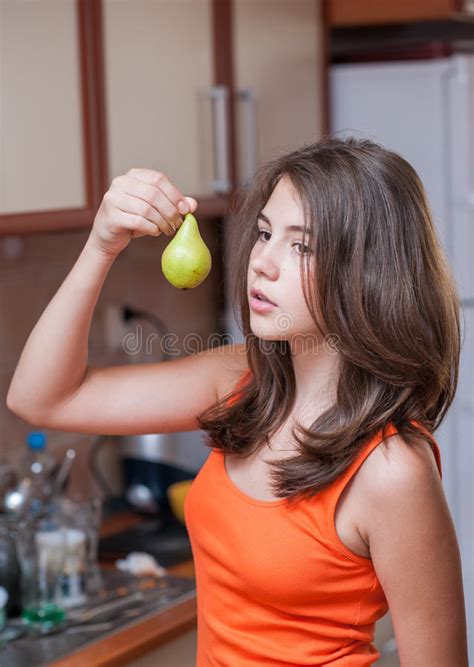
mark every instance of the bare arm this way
{"type": "Point", "coordinates": [162, 397]}
{"type": "Point", "coordinates": [416, 556]}
{"type": "Point", "coordinates": [53, 363]}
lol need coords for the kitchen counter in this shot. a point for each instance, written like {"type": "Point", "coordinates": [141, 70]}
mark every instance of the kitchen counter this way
{"type": "Point", "coordinates": [143, 635]}
{"type": "Point", "coordinates": [139, 636]}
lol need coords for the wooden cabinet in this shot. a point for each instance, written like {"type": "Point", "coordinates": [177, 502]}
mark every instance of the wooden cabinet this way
{"type": "Point", "coordinates": [50, 132]}
{"type": "Point", "coordinates": [279, 65]}
{"type": "Point", "coordinates": [159, 75]}
{"type": "Point", "coordinates": [176, 115]}
{"type": "Point", "coordinates": [181, 651]}
{"type": "Point", "coordinates": [42, 149]}
{"type": "Point", "coordinates": [370, 12]}
{"type": "Point", "coordinates": [203, 90]}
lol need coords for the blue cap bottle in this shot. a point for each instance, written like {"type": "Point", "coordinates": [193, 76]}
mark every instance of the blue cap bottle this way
{"type": "Point", "coordinates": [36, 440]}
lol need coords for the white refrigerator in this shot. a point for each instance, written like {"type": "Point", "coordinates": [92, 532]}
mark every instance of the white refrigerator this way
{"type": "Point", "coordinates": [424, 110]}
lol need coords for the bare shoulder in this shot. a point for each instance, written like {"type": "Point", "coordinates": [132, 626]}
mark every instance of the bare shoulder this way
{"type": "Point", "coordinates": [392, 470]}
{"type": "Point", "coordinates": [395, 461]}
{"type": "Point", "coordinates": [234, 364]}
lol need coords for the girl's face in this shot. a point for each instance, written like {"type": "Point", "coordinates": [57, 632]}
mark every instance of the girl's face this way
{"type": "Point", "coordinates": [274, 268]}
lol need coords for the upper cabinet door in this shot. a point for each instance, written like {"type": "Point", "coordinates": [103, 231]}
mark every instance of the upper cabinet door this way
{"type": "Point", "coordinates": [41, 131]}
{"type": "Point", "coordinates": [279, 64]}
{"type": "Point", "coordinates": [159, 71]}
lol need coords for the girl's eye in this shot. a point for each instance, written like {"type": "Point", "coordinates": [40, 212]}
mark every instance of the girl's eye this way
{"type": "Point", "coordinates": [307, 249]}
{"type": "Point", "coordinates": [262, 231]}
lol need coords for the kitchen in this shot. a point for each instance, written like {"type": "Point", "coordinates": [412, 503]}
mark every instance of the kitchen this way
{"type": "Point", "coordinates": [99, 58]}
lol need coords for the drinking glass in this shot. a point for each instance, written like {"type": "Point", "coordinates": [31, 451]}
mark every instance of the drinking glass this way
{"type": "Point", "coordinates": [41, 551]}
{"type": "Point", "coordinates": [84, 516]}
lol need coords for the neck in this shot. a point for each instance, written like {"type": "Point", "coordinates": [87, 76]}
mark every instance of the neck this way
{"type": "Point", "coordinates": [316, 368]}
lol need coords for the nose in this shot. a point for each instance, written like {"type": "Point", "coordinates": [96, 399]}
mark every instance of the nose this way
{"type": "Point", "coordinates": [264, 262]}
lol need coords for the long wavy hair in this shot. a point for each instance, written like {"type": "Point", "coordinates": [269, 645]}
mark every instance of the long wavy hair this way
{"type": "Point", "coordinates": [380, 283]}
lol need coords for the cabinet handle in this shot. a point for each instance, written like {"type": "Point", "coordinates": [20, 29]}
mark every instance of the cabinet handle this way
{"type": "Point", "coordinates": [220, 100]}
{"type": "Point", "coordinates": [249, 139]}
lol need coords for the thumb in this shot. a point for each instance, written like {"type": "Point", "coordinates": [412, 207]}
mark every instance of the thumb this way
{"type": "Point", "coordinates": [192, 203]}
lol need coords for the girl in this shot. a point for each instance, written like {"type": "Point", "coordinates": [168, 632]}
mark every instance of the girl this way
{"type": "Point", "coordinates": [320, 505]}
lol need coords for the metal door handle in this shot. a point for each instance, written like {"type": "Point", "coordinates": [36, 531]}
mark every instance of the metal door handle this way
{"type": "Point", "coordinates": [219, 96]}
{"type": "Point", "coordinates": [249, 135]}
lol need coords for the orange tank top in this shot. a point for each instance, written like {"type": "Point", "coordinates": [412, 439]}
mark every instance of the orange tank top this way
{"type": "Point", "coordinates": [276, 586]}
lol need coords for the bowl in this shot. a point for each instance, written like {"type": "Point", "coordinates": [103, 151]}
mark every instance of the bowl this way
{"type": "Point", "coordinates": [176, 495]}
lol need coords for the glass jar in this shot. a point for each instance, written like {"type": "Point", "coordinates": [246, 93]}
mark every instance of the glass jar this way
{"type": "Point", "coordinates": [83, 518]}
{"type": "Point", "coordinates": [41, 547]}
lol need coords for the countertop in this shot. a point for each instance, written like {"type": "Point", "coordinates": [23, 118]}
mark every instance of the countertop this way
{"type": "Point", "coordinates": [142, 635]}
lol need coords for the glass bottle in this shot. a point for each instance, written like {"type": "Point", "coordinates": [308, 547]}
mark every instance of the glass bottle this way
{"type": "Point", "coordinates": [9, 566]}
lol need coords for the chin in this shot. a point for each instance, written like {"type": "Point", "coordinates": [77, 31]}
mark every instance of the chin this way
{"type": "Point", "coordinates": [268, 333]}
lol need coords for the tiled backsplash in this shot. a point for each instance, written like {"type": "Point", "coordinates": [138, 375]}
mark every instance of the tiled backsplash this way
{"type": "Point", "coordinates": [29, 281]}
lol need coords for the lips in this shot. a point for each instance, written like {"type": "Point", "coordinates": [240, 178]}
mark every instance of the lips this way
{"type": "Point", "coordinates": [258, 294]}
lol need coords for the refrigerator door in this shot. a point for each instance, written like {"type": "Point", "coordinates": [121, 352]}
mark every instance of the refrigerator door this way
{"type": "Point", "coordinates": [461, 126]}
{"type": "Point", "coordinates": [463, 410]}
{"type": "Point", "coordinates": [424, 110]}
{"type": "Point", "coordinates": [460, 96]}
{"type": "Point", "coordinates": [403, 106]}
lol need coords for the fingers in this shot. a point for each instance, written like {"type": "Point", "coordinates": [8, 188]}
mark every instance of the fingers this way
{"type": "Point", "coordinates": [149, 195]}
{"type": "Point", "coordinates": [138, 207]}
{"type": "Point", "coordinates": [192, 204]}
{"type": "Point", "coordinates": [162, 183]}
{"type": "Point", "coordinates": [142, 199]}
{"type": "Point", "coordinates": [136, 224]}
{"type": "Point", "coordinates": [154, 205]}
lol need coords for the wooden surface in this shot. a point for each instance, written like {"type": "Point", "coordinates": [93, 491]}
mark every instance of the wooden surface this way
{"type": "Point", "coordinates": [369, 12]}
{"type": "Point", "coordinates": [143, 636]}
{"type": "Point", "coordinates": [91, 97]}
{"type": "Point", "coordinates": [136, 640]}
{"type": "Point", "coordinates": [74, 219]}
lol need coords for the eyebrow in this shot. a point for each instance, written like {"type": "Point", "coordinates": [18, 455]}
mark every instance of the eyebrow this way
{"type": "Point", "coordinates": [291, 228]}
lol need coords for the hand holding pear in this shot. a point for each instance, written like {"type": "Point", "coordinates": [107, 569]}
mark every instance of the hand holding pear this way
{"type": "Point", "coordinates": [142, 202]}
{"type": "Point", "coordinates": [186, 260]}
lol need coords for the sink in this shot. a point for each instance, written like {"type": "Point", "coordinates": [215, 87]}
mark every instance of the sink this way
{"type": "Point", "coordinates": [161, 594]}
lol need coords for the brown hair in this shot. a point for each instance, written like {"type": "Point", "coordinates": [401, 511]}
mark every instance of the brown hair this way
{"type": "Point", "coordinates": [382, 286]}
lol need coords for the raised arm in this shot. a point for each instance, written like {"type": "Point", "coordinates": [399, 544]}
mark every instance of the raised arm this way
{"type": "Point", "coordinates": [52, 370]}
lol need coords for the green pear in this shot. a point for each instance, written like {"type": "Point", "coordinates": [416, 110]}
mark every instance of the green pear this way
{"type": "Point", "coordinates": [186, 260]}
